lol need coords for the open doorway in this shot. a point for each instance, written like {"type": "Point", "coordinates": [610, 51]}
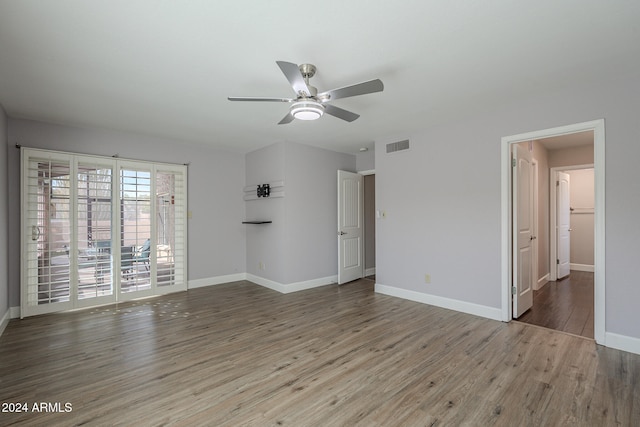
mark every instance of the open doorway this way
{"type": "Point", "coordinates": [563, 288]}
{"type": "Point", "coordinates": [555, 137]}
{"type": "Point", "coordinates": [369, 225]}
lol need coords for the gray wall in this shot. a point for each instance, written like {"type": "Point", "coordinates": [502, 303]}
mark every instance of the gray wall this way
{"type": "Point", "coordinates": [312, 210]}
{"type": "Point", "coordinates": [443, 197]}
{"type": "Point", "coordinates": [4, 223]}
{"type": "Point", "coordinates": [366, 161]}
{"type": "Point", "coordinates": [265, 243]}
{"type": "Point", "coordinates": [216, 236]}
{"type": "Point", "coordinates": [301, 243]}
{"type": "Point", "coordinates": [571, 156]}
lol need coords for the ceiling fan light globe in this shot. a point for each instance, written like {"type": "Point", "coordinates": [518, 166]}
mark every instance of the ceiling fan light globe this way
{"type": "Point", "coordinates": [307, 110]}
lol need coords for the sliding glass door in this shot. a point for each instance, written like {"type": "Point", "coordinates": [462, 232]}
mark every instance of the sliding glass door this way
{"type": "Point", "coordinates": [99, 230]}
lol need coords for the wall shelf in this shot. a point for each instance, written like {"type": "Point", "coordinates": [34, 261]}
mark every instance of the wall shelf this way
{"type": "Point", "coordinates": [256, 222]}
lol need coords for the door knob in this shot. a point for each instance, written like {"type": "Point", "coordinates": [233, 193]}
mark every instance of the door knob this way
{"type": "Point", "coordinates": [35, 232]}
{"type": "Point", "coordinates": [341, 233]}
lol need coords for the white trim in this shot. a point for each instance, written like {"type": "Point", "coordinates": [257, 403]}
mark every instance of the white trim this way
{"type": "Point", "coordinates": [369, 271]}
{"type": "Point", "coordinates": [451, 304]}
{"type": "Point", "coordinates": [275, 286]}
{"type": "Point", "coordinates": [291, 287]}
{"type": "Point", "coordinates": [598, 128]}
{"type": "Point", "coordinates": [536, 217]}
{"type": "Point", "coordinates": [622, 342]}
{"type": "Point", "coordinates": [217, 280]}
{"type": "Point", "coordinates": [309, 284]}
{"type": "Point", "coordinates": [5, 320]}
{"type": "Point", "coordinates": [541, 281]}
{"type": "Point", "coordinates": [582, 267]}
{"type": "Point", "coordinates": [367, 172]}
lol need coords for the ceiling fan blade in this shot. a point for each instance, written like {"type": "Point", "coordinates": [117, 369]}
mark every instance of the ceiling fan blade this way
{"type": "Point", "coordinates": [340, 113]}
{"type": "Point", "coordinates": [247, 98]}
{"type": "Point", "coordinates": [286, 119]}
{"type": "Point", "coordinates": [293, 74]}
{"type": "Point", "coordinates": [358, 89]}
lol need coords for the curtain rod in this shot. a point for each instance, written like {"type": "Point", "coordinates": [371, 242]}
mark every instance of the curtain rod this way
{"type": "Point", "coordinates": [115, 156]}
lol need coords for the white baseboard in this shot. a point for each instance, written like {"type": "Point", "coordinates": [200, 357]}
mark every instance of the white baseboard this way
{"type": "Point", "coordinates": [582, 267]}
{"type": "Point", "coordinates": [369, 271]}
{"type": "Point", "coordinates": [451, 304]}
{"type": "Point", "coordinates": [622, 342]}
{"type": "Point", "coordinates": [210, 281]}
{"type": "Point", "coordinates": [5, 320]}
{"type": "Point", "coordinates": [291, 287]}
{"type": "Point", "coordinates": [15, 312]}
{"type": "Point", "coordinates": [541, 281]}
{"type": "Point", "coordinates": [279, 287]}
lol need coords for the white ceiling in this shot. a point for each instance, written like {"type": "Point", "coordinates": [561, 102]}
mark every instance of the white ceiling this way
{"type": "Point", "coordinates": [166, 68]}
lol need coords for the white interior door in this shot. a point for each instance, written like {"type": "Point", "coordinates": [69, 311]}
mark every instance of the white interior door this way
{"type": "Point", "coordinates": [522, 231]}
{"type": "Point", "coordinates": [350, 226]}
{"type": "Point", "coordinates": [563, 224]}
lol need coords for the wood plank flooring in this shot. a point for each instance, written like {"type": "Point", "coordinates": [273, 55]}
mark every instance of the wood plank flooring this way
{"type": "Point", "coordinates": [564, 305]}
{"type": "Point", "coordinates": [238, 354]}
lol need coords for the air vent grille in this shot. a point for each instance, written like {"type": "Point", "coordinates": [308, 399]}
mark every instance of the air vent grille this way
{"type": "Point", "coordinates": [397, 146]}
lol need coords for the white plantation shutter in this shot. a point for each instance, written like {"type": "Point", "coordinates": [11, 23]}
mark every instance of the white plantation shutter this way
{"type": "Point", "coordinates": [94, 230]}
{"type": "Point", "coordinates": [99, 230]}
{"type": "Point", "coordinates": [46, 233]}
{"type": "Point", "coordinates": [136, 226]}
{"type": "Point", "coordinates": [170, 227]}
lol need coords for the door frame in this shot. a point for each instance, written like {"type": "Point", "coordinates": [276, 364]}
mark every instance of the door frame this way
{"type": "Point", "coordinates": [536, 219]}
{"type": "Point", "coordinates": [598, 128]}
{"type": "Point", "coordinates": [364, 234]}
{"type": "Point", "coordinates": [553, 236]}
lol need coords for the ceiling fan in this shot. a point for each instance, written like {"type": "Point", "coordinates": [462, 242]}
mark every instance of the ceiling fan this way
{"type": "Point", "coordinates": [308, 103]}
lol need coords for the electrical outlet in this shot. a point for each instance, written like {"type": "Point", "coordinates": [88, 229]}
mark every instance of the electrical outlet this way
{"type": "Point", "coordinates": [427, 278]}
{"type": "Point", "coordinates": [260, 265]}
{"type": "Point", "coordinates": [189, 214]}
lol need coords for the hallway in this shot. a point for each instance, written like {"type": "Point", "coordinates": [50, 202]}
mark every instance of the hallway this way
{"type": "Point", "coordinates": [564, 305]}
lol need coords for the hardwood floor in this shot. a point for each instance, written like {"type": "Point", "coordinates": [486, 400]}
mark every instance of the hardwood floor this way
{"type": "Point", "coordinates": [564, 305]}
{"type": "Point", "coordinates": [238, 354]}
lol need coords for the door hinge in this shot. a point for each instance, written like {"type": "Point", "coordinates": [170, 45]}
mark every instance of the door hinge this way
{"type": "Point", "coordinates": [557, 262]}
{"type": "Point", "coordinates": [513, 163]}
{"type": "Point", "coordinates": [513, 290]}
{"type": "Point", "coordinates": [557, 183]}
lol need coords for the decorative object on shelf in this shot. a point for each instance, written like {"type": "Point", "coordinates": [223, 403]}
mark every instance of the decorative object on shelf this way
{"type": "Point", "coordinates": [263, 190]}
{"type": "Point", "coordinates": [256, 222]}
{"type": "Point", "coordinates": [253, 192]}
